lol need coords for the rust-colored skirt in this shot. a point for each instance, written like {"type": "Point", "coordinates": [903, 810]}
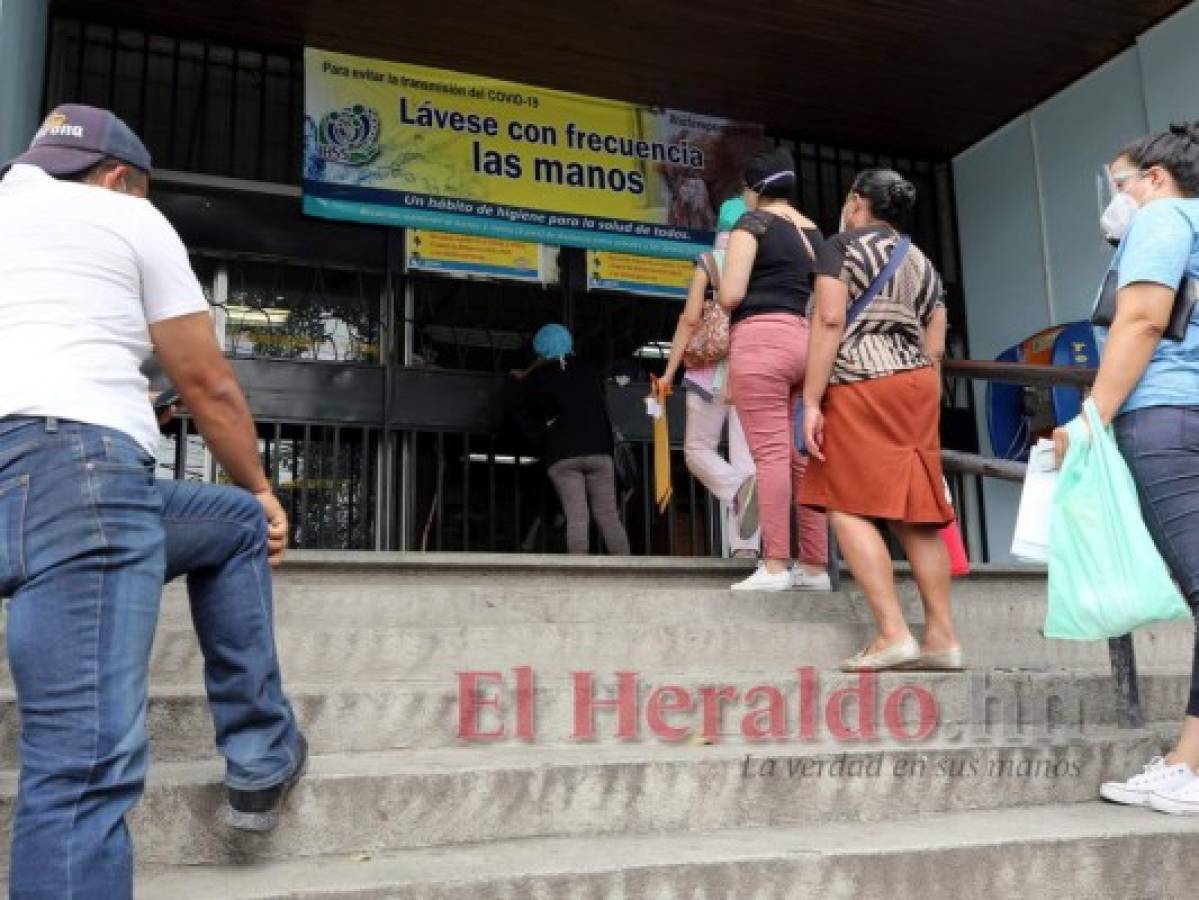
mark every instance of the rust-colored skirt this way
{"type": "Point", "coordinates": [882, 451]}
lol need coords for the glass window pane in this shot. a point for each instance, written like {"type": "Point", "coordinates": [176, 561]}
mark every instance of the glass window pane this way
{"type": "Point", "coordinates": [278, 310]}
{"type": "Point", "coordinates": [477, 325]}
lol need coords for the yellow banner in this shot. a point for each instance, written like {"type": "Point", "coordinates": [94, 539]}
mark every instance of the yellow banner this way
{"type": "Point", "coordinates": [611, 271]}
{"type": "Point", "coordinates": [428, 148]}
{"type": "Point", "coordinates": [465, 254]}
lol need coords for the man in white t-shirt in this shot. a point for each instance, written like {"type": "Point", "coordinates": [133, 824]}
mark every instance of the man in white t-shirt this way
{"type": "Point", "coordinates": [92, 280]}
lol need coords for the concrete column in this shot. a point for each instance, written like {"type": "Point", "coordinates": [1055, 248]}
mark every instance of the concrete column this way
{"type": "Point", "coordinates": [22, 68]}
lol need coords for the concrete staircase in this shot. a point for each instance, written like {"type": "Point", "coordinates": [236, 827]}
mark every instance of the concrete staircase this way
{"type": "Point", "coordinates": [990, 794]}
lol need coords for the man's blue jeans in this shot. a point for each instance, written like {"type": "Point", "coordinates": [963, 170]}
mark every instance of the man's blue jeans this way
{"type": "Point", "coordinates": [216, 536]}
{"type": "Point", "coordinates": [86, 537]}
{"type": "Point", "coordinates": [1161, 446]}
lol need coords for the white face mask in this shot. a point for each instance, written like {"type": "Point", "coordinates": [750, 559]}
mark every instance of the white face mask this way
{"type": "Point", "coordinates": [1117, 218]}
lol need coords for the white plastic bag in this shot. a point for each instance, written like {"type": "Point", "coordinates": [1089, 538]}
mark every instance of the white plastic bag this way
{"type": "Point", "coordinates": [1030, 543]}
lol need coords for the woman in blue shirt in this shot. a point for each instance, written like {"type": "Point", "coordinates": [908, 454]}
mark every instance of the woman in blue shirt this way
{"type": "Point", "coordinates": [1148, 387]}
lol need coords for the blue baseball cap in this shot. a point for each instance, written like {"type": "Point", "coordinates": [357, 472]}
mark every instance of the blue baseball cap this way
{"type": "Point", "coordinates": [75, 137]}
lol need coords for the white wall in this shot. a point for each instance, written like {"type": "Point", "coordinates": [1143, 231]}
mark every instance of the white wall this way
{"type": "Point", "coordinates": [1003, 271]}
{"type": "Point", "coordinates": [1170, 68]}
{"type": "Point", "coordinates": [1028, 209]}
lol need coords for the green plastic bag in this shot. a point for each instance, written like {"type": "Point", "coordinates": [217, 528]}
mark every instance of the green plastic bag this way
{"type": "Point", "coordinates": [1106, 577]}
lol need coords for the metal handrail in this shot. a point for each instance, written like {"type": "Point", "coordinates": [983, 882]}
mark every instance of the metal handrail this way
{"type": "Point", "coordinates": [1028, 374]}
{"type": "Point", "coordinates": [1121, 651]}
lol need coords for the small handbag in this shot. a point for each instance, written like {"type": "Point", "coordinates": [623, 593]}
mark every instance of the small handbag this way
{"type": "Point", "coordinates": [710, 341]}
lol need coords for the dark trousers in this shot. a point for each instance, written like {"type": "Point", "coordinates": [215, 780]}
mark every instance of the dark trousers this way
{"type": "Point", "coordinates": [1161, 446]}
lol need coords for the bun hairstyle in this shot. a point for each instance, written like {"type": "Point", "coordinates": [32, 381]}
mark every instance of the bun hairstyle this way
{"type": "Point", "coordinates": [1176, 150]}
{"type": "Point", "coordinates": [892, 197]}
{"type": "Point", "coordinates": [771, 173]}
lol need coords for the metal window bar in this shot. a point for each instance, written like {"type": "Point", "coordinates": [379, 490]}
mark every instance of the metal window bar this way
{"type": "Point", "coordinates": [646, 502]}
{"type": "Point", "coordinates": [260, 157]}
{"type": "Point", "coordinates": [364, 482]}
{"type": "Point", "coordinates": [295, 112]}
{"type": "Point", "coordinates": [181, 449]}
{"type": "Point", "coordinates": [194, 146]}
{"type": "Point", "coordinates": [303, 473]}
{"type": "Point", "coordinates": [145, 86]}
{"type": "Point", "coordinates": [466, 491]}
{"type": "Point", "coordinates": [172, 148]}
{"type": "Point", "coordinates": [235, 66]}
{"type": "Point", "coordinates": [516, 522]}
{"type": "Point", "coordinates": [671, 509]}
{"type": "Point", "coordinates": [112, 68]}
{"type": "Point", "coordinates": [491, 517]}
{"type": "Point", "coordinates": [276, 447]}
{"type": "Point", "coordinates": [329, 535]}
{"type": "Point", "coordinates": [80, 59]}
{"type": "Point", "coordinates": [439, 497]}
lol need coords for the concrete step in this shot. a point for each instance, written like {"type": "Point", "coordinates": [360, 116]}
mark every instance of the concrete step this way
{"type": "Point", "coordinates": [392, 716]}
{"type": "Point", "coordinates": [1110, 853]}
{"type": "Point", "coordinates": [555, 589]}
{"type": "Point", "coordinates": [383, 653]}
{"type": "Point", "coordinates": [500, 601]}
{"type": "Point", "coordinates": [372, 802]}
{"type": "Point", "coordinates": [340, 654]}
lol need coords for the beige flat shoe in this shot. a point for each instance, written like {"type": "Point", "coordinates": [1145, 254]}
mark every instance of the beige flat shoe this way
{"type": "Point", "coordinates": [893, 657]}
{"type": "Point", "coordinates": [941, 661]}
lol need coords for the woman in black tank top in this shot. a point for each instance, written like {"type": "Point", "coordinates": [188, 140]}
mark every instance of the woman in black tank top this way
{"type": "Point", "coordinates": [766, 287]}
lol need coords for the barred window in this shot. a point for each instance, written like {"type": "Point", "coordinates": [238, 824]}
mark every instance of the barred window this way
{"type": "Point", "coordinates": [200, 107]}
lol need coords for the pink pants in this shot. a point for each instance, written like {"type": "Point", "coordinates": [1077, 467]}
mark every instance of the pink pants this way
{"type": "Point", "coordinates": [767, 359]}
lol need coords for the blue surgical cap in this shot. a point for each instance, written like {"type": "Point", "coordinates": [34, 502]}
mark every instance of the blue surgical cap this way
{"type": "Point", "coordinates": [553, 342]}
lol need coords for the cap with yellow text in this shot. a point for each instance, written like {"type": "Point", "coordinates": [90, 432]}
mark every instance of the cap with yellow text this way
{"type": "Point", "coordinates": [76, 137]}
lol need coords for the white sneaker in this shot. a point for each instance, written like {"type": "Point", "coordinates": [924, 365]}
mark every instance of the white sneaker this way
{"type": "Point", "coordinates": [802, 581]}
{"type": "Point", "coordinates": [1158, 776]}
{"type": "Point", "coordinates": [763, 580]}
{"type": "Point", "coordinates": [1181, 800]}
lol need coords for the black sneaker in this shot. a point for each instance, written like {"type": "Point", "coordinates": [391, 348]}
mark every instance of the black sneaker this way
{"type": "Point", "coordinates": [259, 810]}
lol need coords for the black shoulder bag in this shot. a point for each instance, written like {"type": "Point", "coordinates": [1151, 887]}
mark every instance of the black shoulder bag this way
{"type": "Point", "coordinates": [1180, 314]}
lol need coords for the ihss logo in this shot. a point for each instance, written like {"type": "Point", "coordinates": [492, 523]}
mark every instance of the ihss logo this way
{"type": "Point", "coordinates": [349, 136]}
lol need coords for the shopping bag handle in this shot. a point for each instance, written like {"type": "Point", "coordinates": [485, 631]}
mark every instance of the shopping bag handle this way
{"type": "Point", "coordinates": [1091, 411]}
{"type": "Point", "coordinates": [1080, 430]}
